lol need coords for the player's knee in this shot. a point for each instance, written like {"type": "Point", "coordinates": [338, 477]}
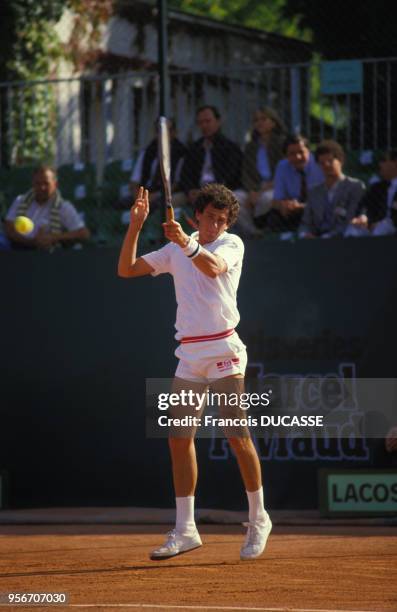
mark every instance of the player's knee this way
{"type": "Point", "coordinates": [240, 444]}
{"type": "Point", "coordinates": [180, 445]}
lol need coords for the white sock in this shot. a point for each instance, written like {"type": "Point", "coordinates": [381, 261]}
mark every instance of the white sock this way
{"type": "Point", "coordinates": [185, 514]}
{"type": "Point", "coordinates": [256, 510]}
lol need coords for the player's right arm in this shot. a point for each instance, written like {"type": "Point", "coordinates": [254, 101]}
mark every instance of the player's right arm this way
{"type": "Point", "coordinates": [129, 266]}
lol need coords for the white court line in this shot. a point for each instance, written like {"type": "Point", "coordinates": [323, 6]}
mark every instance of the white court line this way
{"type": "Point", "coordinates": [179, 607]}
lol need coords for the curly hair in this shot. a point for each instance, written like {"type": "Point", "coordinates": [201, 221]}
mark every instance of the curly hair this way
{"type": "Point", "coordinates": [330, 147]}
{"type": "Point", "coordinates": [221, 198]}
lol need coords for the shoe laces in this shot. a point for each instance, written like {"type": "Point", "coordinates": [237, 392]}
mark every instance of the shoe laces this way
{"type": "Point", "coordinates": [171, 535]}
{"type": "Point", "coordinates": [252, 533]}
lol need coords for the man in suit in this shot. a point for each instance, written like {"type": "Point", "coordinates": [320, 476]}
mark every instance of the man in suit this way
{"type": "Point", "coordinates": [378, 208]}
{"type": "Point", "coordinates": [333, 204]}
{"type": "Point", "coordinates": [211, 159]}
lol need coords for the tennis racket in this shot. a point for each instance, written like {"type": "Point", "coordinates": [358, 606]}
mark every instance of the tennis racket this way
{"type": "Point", "coordinates": [165, 165]}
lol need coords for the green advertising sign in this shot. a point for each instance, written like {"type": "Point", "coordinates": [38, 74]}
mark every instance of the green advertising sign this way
{"type": "Point", "coordinates": [350, 493]}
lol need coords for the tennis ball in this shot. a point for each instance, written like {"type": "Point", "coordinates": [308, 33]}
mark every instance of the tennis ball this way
{"type": "Point", "coordinates": [23, 225]}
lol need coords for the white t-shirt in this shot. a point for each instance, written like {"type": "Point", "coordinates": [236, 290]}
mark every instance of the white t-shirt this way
{"type": "Point", "coordinates": [40, 215]}
{"type": "Point", "coordinates": [205, 305]}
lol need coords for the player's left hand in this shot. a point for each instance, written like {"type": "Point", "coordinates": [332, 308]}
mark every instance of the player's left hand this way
{"type": "Point", "coordinates": [174, 232]}
{"type": "Point", "coordinates": [140, 209]}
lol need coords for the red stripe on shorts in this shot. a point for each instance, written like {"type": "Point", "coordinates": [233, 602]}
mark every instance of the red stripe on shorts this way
{"type": "Point", "coordinates": [218, 336]}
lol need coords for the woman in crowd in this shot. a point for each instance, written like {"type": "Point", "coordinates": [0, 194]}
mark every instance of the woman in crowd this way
{"type": "Point", "coordinates": [261, 156]}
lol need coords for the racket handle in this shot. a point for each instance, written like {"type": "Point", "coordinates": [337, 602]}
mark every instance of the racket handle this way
{"type": "Point", "coordinates": [170, 213]}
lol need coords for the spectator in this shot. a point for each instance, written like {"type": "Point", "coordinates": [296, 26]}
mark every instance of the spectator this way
{"type": "Point", "coordinates": [391, 440]}
{"type": "Point", "coordinates": [378, 208]}
{"type": "Point", "coordinates": [211, 159]}
{"type": "Point", "coordinates": [261, 157]}
{"type": "Point", "coordinates": [147, 171]}
{"type": "Point", "coordinates": [56, 221]}
{"type": "Point", "coordinates": [332, 204]}
{"type": "Point", "coordinates": [294, 177]}
{"type": "Point", "coordinates": [384, 450]}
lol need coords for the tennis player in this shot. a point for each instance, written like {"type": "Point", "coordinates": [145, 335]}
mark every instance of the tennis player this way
{"type": "Point", "coordinates": [206, 268]}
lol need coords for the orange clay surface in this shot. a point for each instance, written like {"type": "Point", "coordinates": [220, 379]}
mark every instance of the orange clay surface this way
{"type": "Point", "coordinates": [106, 567]}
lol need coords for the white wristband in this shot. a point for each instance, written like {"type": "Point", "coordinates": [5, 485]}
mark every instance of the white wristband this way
{"type": "Point", "coordinates": [196, 252]}
{"type": "Point", "coordinates": [192, 249]}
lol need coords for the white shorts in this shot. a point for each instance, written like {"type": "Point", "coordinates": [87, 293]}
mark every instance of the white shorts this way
{"type": "Point", "coordinates": [211, 359]}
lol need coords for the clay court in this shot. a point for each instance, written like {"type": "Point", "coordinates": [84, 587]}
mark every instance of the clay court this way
{"type": "Point", "coordinates": [331, 568]}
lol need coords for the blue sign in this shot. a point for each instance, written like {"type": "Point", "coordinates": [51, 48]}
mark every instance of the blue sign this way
{"type": "Point", "coordinates": [342, 77]}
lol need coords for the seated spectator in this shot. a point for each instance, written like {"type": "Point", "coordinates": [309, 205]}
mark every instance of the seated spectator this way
{"type": "Point", "coordinates": [377, 215]}
{"type": "Point", "coordinates": [390, 445]}
{"type": "Point", "coordinates": [384, 450]}
{"type": "Point", "coordinates": [294, 177]}
{"type": "Point", "coordinates": [147, 171]}
{"type": "Point", "coordinates": [211, 159]}
{"type": "Point", "coordinates": [261, 157]}
{"type": "Point", "coordinates": [56, 221]}
{"type": "Point", "coordinates": [331, 205]}
{"type": "Point", "coordinates": [391, 440]}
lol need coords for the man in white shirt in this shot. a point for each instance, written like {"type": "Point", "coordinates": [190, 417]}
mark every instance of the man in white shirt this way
{"type": "Point", "coordinates": [56, 221]}
{"type": "Point", "coordinates": [206, 268]}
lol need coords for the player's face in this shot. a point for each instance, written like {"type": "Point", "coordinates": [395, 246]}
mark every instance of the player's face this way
{"type": "Point", "coordinates": [208, 123]}
{"type": "Point", "coordinates": [298, 155]}
{"type": "Point", "coordinates": [44, 186]}
{"type": "Point", "coordinates": [331, 167]}
{"type": "Point", "coordinates": [212, 223]}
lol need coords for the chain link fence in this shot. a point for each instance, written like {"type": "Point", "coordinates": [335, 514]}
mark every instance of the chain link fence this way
{"type": "Point", "coordinates": [94, 128]}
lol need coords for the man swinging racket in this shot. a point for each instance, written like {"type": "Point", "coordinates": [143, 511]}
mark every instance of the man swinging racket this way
{"type": "Point", "coordinates": [206, 268]}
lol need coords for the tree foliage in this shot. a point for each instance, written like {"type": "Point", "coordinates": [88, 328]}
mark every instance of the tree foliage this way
{"type": "Point", "coordinates": [339, 29]}
{"type": "Point", "coordinates": [29, 46]}
{"type": "Point", "coordinates": [269, 15]}
{"type": "Point", "coordinates": [348, 29]}
{"type": "Point", "coordinates": [28, 43]}
{"type": "Point", "coordinates": [85, 36]}
{"type": "Point", "coordinates": [30, 50]}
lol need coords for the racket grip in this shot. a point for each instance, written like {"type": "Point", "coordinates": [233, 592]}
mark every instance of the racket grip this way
{"type": "Point", "coordinates": [170, 213]}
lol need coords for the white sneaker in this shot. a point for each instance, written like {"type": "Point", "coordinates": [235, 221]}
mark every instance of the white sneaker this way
{"type": "Point", "coordinates": [255, 541]}
{"type": "Point", "coordinates": [176, 544]}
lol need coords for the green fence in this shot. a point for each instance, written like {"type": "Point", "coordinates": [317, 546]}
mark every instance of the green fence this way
{"type": "Point", "coordinates": [77, 344]}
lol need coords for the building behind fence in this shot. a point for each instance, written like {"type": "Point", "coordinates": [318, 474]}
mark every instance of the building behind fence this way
{"type": "Point", "coordinates": [96, 123]}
